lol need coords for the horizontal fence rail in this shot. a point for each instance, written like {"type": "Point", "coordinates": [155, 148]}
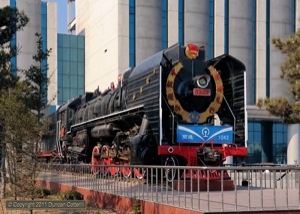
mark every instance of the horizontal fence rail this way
{"type": "Point", "coordinates": [253, 188]}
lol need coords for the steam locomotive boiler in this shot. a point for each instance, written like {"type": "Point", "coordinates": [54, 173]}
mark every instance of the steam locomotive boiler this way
{"type": "Point", "coordinates": [173, 108]}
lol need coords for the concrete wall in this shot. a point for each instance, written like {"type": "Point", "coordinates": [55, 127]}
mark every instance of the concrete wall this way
{"type": "Point", "coordinates": [4, 3]}
{"type": "Point", "coordinates": [105, 26]}
{"type": "Point", "coordinates": [123, 32]}
{"type": "Point", "coordinates": [196, 23]}
{"type": "Point", "coordinates": [26, 38]}
{"type": "Point", "coordinates": [293, 146]}
{"type": "Point", "coordinates": [219, 28]}
{"type": "Point", "coordinates": [240, 36]}
{"type": "Point", "coordinates": [297, 18]}
{"type": "Point", "coordinates": [52, 59]}
{"type": "Point", "coordinates": [172, 22]}
{"type": "Point", "coordinates": [281, 20]}
{"type": "Point", "coordinates": [261, 49]}
{"type": "Point", "coordinates": [147, 28]}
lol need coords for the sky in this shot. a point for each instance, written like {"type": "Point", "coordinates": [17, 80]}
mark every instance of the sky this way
{"type": "Point", "coordinates": [62, 15]}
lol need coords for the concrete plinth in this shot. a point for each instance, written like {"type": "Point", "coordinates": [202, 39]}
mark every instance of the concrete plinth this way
{"type": "Point", "coordinates": [195, 185]}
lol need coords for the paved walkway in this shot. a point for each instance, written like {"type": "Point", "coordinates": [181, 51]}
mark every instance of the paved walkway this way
{"type": "Point", "coordinates": [238, 200]}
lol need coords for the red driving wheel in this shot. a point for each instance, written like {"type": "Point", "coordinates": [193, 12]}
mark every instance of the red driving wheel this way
{"type": "Point", "coordinates": [95, 160]}
{"type": "Point", "coordinates": [126, 171]}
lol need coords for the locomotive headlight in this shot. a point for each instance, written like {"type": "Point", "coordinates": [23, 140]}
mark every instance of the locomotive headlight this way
{"type": "Point", "coordinates": [203, 80]}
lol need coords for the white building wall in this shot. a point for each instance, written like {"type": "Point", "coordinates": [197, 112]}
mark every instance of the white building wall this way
{"type": "Point", "coordinates": [281, 20]}
{"type": "Point", "coordinates": [99, 22]}
{"type": "Point", "coordinates": [172, 22]}
{"type": "Point", "coordinates": [123, 19]}
{"type": "Point", "coordinates": [293, 146]}
{"type": "Point", "coordinates": [148, 28]}
{"type": "Point", "coordinates": [261, 49]}
{"type": "Point", "coordinates": [219, 28]}
{"type": "Point", "coordinates": [297, 18]}
{"type": "Point", "coordinates": [240, 37]}
{"type": "Point", "coordinates": [52, 44]}
{"type": "Point", "coordinates": [4, 3]}
{"type": "Point", "coordinates": [26, 38]}
{"type": "Point", "coordinates": [196, 23]}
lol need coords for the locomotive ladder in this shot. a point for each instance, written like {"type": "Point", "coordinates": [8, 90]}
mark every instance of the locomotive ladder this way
{"type": "Point", "coordinates": [58, 144]}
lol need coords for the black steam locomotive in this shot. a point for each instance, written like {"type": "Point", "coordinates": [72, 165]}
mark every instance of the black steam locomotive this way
{"type": "Point", "coordinates": [173, 108]}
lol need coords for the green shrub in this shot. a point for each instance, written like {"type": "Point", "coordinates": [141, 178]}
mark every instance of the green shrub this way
{"type": "Point", "coordinates": [136, 207]}
{"type": "Point", "coordinates": [71, 195]}
{"type": "Point", "coordinates": [41, 192]}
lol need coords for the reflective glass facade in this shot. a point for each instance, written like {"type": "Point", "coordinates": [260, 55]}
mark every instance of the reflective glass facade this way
{"type": "Point", "coordinates": [13, 44]}
{"type": "Point", "coordinates": [131, 33]}
{"type": "Point", "coordinates": [211, 28]}
{"type": "Point", "coordinates": [70, 67]}
{"type": "Point", "coordinates": [266, 142]}
{"type": "Point", "coordinates": [181, 22]}
{"type": "Point", "coordinates": [44, 45]}
{"type": "Point", "coordinates": [164, 24]}
{"type": "Point", "coordinates": [226, 26]}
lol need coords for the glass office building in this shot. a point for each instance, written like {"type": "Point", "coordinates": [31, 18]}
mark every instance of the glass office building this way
{"type": "Point", "coordinates": [70, 67]}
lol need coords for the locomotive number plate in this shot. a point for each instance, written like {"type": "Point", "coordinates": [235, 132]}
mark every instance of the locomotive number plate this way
{"type": "Point", "coordinates": [201, 92]}
{"type": "Point", "coordinates": [204, 134]}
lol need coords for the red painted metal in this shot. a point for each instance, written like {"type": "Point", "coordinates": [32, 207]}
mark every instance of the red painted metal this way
{"type": "Point", "coordinates": [189, 152]}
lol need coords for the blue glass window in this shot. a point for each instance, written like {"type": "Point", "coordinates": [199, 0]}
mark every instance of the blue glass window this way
{"type": "Point", "coordinates": [13, 43]}
{"type": "Point", "coordinates": [66, 41]}
{"type": "Point", "coordinates": [81, 81]}
{"type": "Point", "coordinates": [66, 95]}
{"type": "Point", "coordinates": [226, 26]}
{"type": "Point", "coordinates": [80, 70]}
{"type": "Point", "coordinates": [211, 27]}
{"type": "Point", "coordinates": [181, 22]}
{"type": "Point", "coordinates": [132, 33]}
{"type": "Point", "coordinates": [70, 67]}
{"type": "Point", "coordinates": [267, 48]}
{"type": "Point", "coordinates": [74, 92]}
{"type": "Point", "coordinates": [80, 41]}
{"type": "Point", "coordinates": [44, 44]}
{"type": "Point", "coordinates": [13, 3]}
{"type": "Point", "coordinates": [164, 23]}
{"type": "Point", "coordinates": [259, 136]}
{"type": "Point", "coordinates": [73, 42]}
{"type": "Point", "coordinates": [80, 55]}
{"type": "Point", "coordinates": [73, 68]}
{"type": "Point", "coordinates": [74, 83]}
{"type": "Point", "coordinates": [66, 67]}
{"type": "Point", "coordinates": [66, 54]}
{"type": "Point", "coordinates": [66, 82]}
{"type": "Point", "coordinates": [74, 53]}
{"type": "Point", "coordinates": [52, 108]}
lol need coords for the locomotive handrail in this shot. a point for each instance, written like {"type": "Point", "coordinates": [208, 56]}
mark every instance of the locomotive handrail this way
{"type": "Point", "coordinates": [234, 119]}
{"type": "Point", "coordinates": [103, 117]}
{"type": "Point", "coordinates": [173, 120]}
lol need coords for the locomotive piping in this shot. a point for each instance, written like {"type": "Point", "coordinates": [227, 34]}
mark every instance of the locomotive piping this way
{"type": "Point", "coordinates": [103, 117]}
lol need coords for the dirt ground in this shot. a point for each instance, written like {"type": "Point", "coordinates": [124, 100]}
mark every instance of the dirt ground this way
{"type": "Point", "coordinates": [88, 210]}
